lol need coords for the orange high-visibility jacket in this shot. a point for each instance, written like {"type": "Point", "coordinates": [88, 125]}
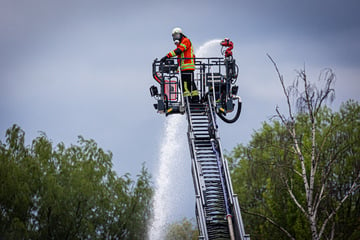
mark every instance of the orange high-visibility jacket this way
{"type": "Point", "coordinates": [184, 50]}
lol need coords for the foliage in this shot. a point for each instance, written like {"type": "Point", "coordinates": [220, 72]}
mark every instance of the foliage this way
{"type": "Point", "coordinates": [67, 193]}
{"type": "Point", "coordinates": [182, 230]}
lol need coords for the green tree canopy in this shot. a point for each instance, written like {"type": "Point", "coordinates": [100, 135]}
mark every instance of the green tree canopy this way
{"type": "Point", "coordinates": [71, 192]}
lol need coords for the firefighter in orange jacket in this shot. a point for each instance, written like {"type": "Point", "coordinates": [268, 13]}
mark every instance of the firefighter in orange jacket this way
{"type": "Point", "coordinates": [187, 66]}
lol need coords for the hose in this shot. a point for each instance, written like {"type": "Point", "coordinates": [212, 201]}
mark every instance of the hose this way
{"type": "Point", "coordinates": [237, 115]}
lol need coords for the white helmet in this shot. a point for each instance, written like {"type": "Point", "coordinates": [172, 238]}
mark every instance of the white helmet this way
{"type": "Point", "coordinates": [176, 35]}
{"type": "Point", "coordinates": [176, 30]}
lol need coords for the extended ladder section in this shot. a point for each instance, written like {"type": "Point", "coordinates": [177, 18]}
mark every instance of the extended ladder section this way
{"type": "Point", "coordinates": [217, 207]}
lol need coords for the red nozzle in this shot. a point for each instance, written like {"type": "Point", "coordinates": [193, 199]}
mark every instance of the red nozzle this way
{"type": "Point", "coordinates": [229, 44]}
{"type": "Point", "coordinates": [225, 42]}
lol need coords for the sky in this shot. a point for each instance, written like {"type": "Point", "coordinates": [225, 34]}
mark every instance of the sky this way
{"type": "Point", "coordinates": [70, 68]}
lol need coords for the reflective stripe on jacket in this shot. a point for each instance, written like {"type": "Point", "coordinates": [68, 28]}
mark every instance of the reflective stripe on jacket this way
{"type": "Point", "coordinates": [184, 50]}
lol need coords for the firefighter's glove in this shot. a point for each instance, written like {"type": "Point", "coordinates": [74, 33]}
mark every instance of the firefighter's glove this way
{"type": "Point", "coordinates": [164, 58]}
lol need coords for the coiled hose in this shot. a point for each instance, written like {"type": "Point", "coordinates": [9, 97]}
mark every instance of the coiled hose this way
{"type": "Point", "coordinates": [237, 115]}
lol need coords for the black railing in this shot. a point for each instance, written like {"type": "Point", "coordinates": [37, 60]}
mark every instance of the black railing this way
{"type": "Point", "coordinates": [214, 76]}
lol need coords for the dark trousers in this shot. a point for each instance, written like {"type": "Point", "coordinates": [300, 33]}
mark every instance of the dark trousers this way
{"type": "Point", "coordinates": [188, 84]}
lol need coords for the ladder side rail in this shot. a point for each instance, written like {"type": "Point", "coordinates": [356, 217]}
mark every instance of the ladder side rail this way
{"type": "Point", "coordinates": [200, 201]}
{"type": "Point", "coordinates": [201, 220]}
{"type": "Point", "coordinates": [232, 197]}
{"type": "Point", "coordinates": [199, 183]}
{"type": "Point", "coordinates": [188, 115]}
{"type": "Point", "coordinates": [220, 166]}
{"type": "Point", "coordinates": [234, 231]}
{"type": "Point", "coordinates": [238, 219]}
{"type": "Point", "coordinates": [226, 172]}
{"type": "Point", "coordinates": [211, 115]}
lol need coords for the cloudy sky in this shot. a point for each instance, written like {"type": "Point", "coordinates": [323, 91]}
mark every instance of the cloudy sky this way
{"type": "Point", "coordinates": [71, 68]}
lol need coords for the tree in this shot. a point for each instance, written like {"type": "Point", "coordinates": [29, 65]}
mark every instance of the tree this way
{"type": "Point", "coordinates": [302, 170]}
{"type": "Point", "coordinates": [182, 230]}
{"type": "Point", "coordinates": [68, 193]}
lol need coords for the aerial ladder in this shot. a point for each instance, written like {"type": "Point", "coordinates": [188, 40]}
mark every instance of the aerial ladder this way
{"type": "Point", "coordinates": [217, 208]}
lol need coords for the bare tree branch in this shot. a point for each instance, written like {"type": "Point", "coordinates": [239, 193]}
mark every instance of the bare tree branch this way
{"type": "Point", "coordinates": [283, 86]}
{"type": "Point", "coordinates": [328, 91]}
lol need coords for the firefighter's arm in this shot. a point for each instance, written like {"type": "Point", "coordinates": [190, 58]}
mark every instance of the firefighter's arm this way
{"type": "Point", "coordinates": [171, 54]}
{"type": "Point", "coordinates": [180, 49]}
{"type": "Point", "coordinates": [174, 53]}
